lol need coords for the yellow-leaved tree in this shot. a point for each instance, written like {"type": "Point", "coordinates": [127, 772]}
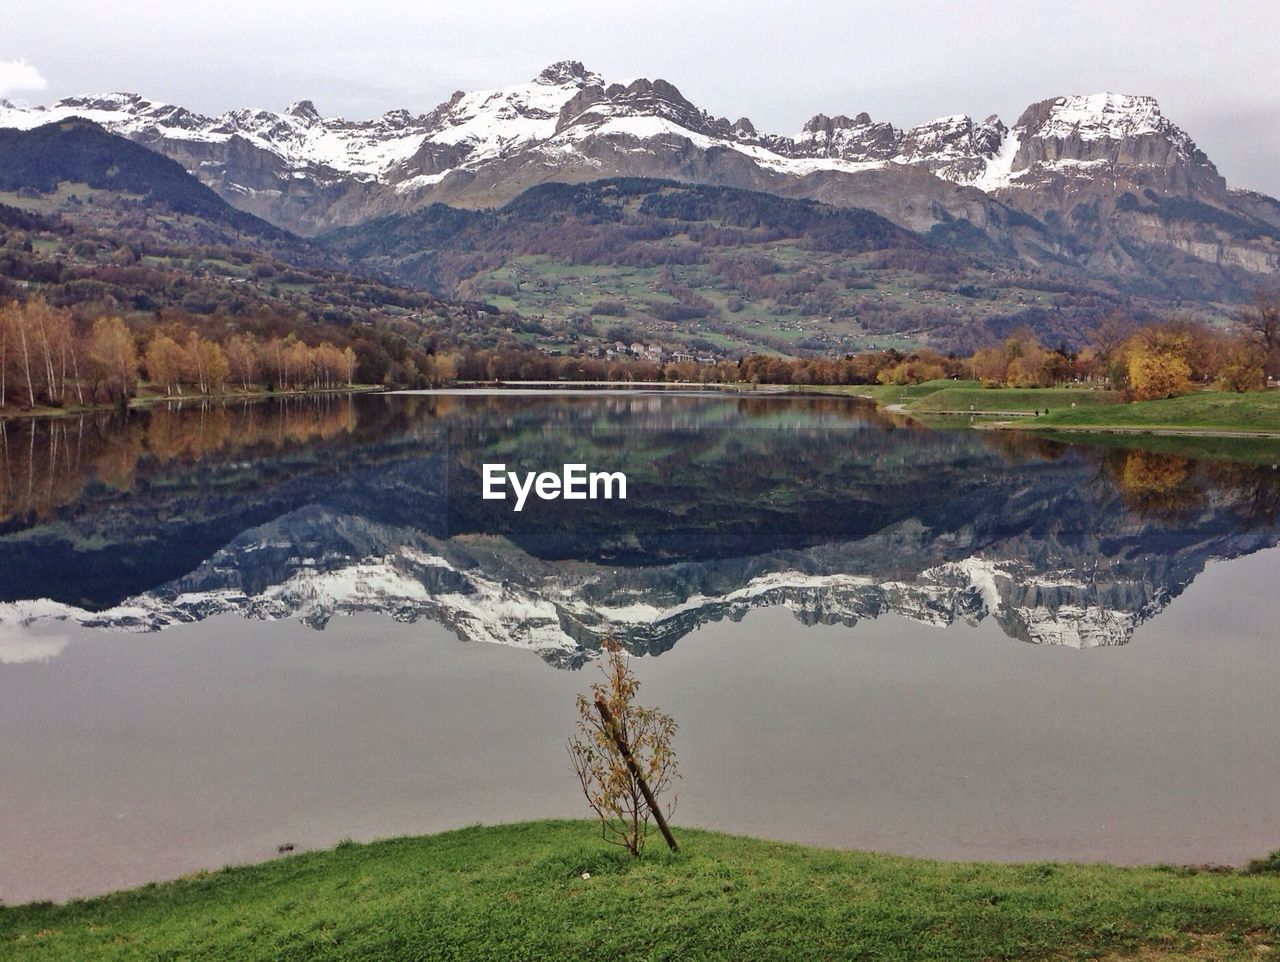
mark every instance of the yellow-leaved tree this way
{"type": "Point", "coordinates": [623, 757]}
{"type": "Point", "coordinates": [114, 357]}
{"type": "Point", "coordinates": [1242, 369]}
{"type": "Point", "coordinates": [1158, 364]}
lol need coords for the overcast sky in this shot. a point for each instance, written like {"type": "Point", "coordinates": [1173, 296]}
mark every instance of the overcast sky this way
{"type": "Point", "coordinates": [1215, 67]}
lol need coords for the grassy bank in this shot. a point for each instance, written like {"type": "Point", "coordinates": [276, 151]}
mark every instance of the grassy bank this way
{"type": "Point", "coordinates": [980, 400]}
{"type": "Point", "coordinates": [517, 892]}
{"type": "Point", "coordinates": [1081, 409]}
{"type": "Point", "coordinates": [1208, 411]}
{"type": "Point", "coordinates": [948, 396]}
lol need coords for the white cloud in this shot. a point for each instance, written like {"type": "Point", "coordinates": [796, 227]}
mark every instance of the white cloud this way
{"type": "Point", "coordinates": [18, 645]}
{"type": "Point", "coordinates": [19, 75]}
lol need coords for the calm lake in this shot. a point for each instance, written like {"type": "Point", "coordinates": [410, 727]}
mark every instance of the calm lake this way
{"type": "Point", "coordinates": [227, 628]}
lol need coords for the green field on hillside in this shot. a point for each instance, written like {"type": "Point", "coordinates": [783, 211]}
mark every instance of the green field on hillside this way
{"type": "Point", "coordinates": [523, 892]}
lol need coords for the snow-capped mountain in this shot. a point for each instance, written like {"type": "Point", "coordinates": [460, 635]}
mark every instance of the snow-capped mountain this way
{"type": "Point", "coordinates": [308, 172]}
{"type": "Point", "coordinates": [313, 565]}
{"type": "Point", "coordinates": [564, 108]}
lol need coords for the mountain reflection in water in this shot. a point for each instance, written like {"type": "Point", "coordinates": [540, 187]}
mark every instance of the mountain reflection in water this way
{"type": "Point", "coordinates": [318, 507]}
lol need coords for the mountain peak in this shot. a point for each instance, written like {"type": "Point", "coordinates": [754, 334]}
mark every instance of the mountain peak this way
{"type": "Point", "coordinates": [304, 110]}
{"type": "Point", "coordinates": [1104, 128]}
{"type": "Point", "coordinates": [1096, 116]}
{"type": "Point", "coordinates": [566, 73]}
{"type": "Point", "coordinates": [120, 101]}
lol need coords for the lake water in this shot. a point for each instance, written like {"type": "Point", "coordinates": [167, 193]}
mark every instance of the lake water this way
{"type": "Point", "coordinates": [223, 629]}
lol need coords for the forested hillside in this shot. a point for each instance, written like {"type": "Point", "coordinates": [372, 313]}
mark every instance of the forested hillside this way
{"type": "Point", "coordinates": [730, 270]}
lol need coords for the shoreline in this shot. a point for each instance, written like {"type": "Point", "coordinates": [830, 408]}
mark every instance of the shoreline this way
{"type": "Point", "coordinates": [1238, 867]}
{"type": "Point", "coordinates": [1137, 430]}
{"type": "Point", "coordinates": [1029, 423]}
{"type": "Point", "coordinates": [140, 403]}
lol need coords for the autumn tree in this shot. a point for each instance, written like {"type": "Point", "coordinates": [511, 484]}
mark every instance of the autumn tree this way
{"type": "Point", "coordinates": [271, 364]}
{"type": "Point", "coordinates": [327, 365]}
{"type": "Point", "coordinates": [619, 750]}
{"type": "Point", "coordinates": [6, 349]}
{"type": "Point", "coordinates": [297, 359]}
{"type": "Point", "coordinates": [23, 343]}
{"type": "Point", "coordinates": [1242, 369]}
{"type": "Point", "coordinates": [242, 356]}
{"type": "Point", "coordinates": [114, 358]}
{"type": "Point", "coordinates": [166, 362]}
{"type": "Point", "coordinates": [45, 347]}
{"type": "Point", "coordinates": [349, 366]}
{"type": "Point", "coordinates": [1205, 347]}
{"type": "Point", "coordinates": [1157, 364]}
{"type": "Point", "coordinates": [1260, 322]}
{"type": "Point", "coordinates": [989, 366]}
{"type": "Point", "coordinates": [53, 338]}
{"type": "Point", "coordinates": [213, 366]}
{"type": "Point", "coordinates": [1033, 367]}
{"type": "Point", "coordinates": [913, 370]}
{"type": "Point", "coordinates": [1108, 339]}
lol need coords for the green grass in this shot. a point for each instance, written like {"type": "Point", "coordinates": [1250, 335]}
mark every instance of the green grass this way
{"type": "Point", "coordinates": [1207, 411]}
{"type": "Point", "coordinates": [516, 892]}
{"type": "Point", "coordinates": [971, 397]}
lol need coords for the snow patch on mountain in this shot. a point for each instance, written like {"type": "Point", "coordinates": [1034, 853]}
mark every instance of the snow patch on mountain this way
{"type": "Point", "coordinates": [998, 172]}
{"type": "Point", "coordinates": [1104, 116]}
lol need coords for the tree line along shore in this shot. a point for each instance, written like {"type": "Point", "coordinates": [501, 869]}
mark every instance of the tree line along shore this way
{"type": "Point", "coordinates": [52, 360]}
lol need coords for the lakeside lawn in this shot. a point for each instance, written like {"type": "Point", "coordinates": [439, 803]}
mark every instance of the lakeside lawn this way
{"type": "Point", "coordinates": [1081, 409]}
{"type": "Point", "coordinates": [966, 397]}
{"type": "Point", "coordinates": [517, 892]}
{"type": "Point", "coordinates": [1203, 411]}
{"type": "Point", "coordinates": [950, 396]}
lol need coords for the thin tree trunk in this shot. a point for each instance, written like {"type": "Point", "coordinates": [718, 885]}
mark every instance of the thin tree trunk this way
{"type": "Point", "coordinates": [26, 363]}
{"type": "Point", "coordinates": [75, 371]}
{"type": "Point", "coordinates": [62, 374]}
{"type": "Point", "coordinates": [50, 379]}
{"type": "Point", "coordinates": [612, 728]}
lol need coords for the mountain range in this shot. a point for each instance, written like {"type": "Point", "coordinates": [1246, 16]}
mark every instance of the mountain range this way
{"type": "Point", "coordinates": [1101, 187]}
